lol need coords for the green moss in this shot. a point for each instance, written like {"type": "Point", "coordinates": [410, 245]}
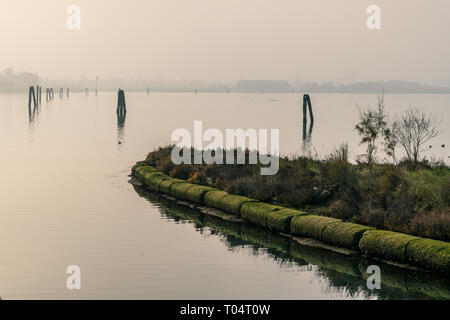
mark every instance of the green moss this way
{"type": "Point", "coordinates": [178, 190]}
{"type": "Point", "coordinates": [428, 253]}
{"type": "Point", "coordinates": [224, 201]}
{"type": "Point", "coordinates": [257, 212]}
{"type": "Point", "coordinates": [141, 172]}
{"type": "Point", "coordinates": [344, 234]}
{"type": "Point", "coordinates": [232, 203]}
{"type": "Point", "coordinates": [385, 245]}
{"type": "Point", "coordinates": [138, 165]}
{"type": "Point", "coordinates": [280, 220]}
{"type": "Point", "coordinates": [165, 185]}
{"type": "Point", "coordinates": [151, 177]}
{"type": "Point", "coordinates": [197, 193]}
{"type": "Point", "coordinates": [154, 179]}
{"type": "Point", "coordinates": [310, 226]}
{"type": "Point", "coordinates": [212, 198]}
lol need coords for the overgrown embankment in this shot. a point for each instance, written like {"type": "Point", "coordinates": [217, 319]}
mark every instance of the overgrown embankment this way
{"type": "Point", "coordinates": [386, 245]}
{"type": "Point", "coordinates": [412, 199]}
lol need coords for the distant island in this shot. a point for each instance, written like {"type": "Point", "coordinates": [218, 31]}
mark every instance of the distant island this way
{"type": "Point", "coordinates": [11, 81]}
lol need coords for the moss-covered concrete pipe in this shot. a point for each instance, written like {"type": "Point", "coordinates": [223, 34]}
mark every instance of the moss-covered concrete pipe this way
{"type": "Point", "coordinates": [386, 245]}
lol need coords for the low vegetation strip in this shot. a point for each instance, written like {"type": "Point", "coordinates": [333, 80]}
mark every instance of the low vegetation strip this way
{"type": "Point", "coordinates": [411, 198]}
{"type": "Point", "coordinates": [386, 245]}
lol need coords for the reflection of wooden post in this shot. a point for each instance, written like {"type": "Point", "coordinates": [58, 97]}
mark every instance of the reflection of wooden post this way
{"type": "Point", "coordinates": [31, 95]}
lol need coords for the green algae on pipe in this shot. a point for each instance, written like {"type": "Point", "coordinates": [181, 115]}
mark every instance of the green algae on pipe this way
{"type": "Point", "coordinates": [197, 193]}
{"type": "Point", "coordinates": [386, 245]}
{"type": "Point", "coordinates": [224, 201]}
{"type": "Point", "coordinates": [165, 185]}
{"type": "Point", "coordinates": [212, 198]}
{"type": "Point", "coordinates": [178, 190]}
{"type": "Point", "coordinates": [344, 234]}
{"type": "Point", "coordinates": [151, 177]}
{"type": "Point", "coordinates": [137, 166]}
{"type": "Point", "coordinates": [310, 226]}
{"type": "Point", "coordinates": [257, 212]}
{"type": "Point", "coordinates": [233, 204]}
{"type": "Point", "coordinates": [429, 253]}
{"type": "Point", "coordinates": [280, 220]}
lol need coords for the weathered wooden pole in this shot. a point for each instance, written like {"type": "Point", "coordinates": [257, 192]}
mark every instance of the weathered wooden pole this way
{"type": "Point", "coordinates": [311, 116]}
{"type": "Point", "coordinates": [121, 104]}
{"type": "Point", "coordinates": [40, 95]}
{"type": "Point", "coordinates": [52, 94]}
{"type": "Point", "coordinates": [67, 92]}
{"type": "Point", "coordinates": [307, 104]}
{"type": "Point", "coordinates": [31, 95]}
{"type": "Point", "coordinates": [61, 93]}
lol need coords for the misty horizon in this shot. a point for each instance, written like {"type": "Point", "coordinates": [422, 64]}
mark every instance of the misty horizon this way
{"type": "Point", "coordinates": [295, 41]}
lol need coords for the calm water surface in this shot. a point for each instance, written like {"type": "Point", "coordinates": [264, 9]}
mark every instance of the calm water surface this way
{"type": "Point", "coordinates": [66, 199]}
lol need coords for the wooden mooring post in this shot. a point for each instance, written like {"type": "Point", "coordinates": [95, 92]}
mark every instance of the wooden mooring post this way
{"type": "Point", "coordinates": [307, 102]}
{"type": "Point", "coordinates": [121, 104]}
{"type": "Point", "coordinates": [307, 106]}
{"type": "Point", "coordinates": [32, 95]}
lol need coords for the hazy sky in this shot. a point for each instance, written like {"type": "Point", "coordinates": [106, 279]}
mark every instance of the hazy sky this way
{"type": "Point", "coordinates": [230, 39]}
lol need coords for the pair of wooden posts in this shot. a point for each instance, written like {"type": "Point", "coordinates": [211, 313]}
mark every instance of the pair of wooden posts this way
{"type": "Point", "coordinates": [49, 94]}
{"type": "Point", "coordinates": [32, 96]}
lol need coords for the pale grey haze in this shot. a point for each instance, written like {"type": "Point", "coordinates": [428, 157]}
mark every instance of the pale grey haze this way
{"type": "Point", "coordinates": [320, 40]}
